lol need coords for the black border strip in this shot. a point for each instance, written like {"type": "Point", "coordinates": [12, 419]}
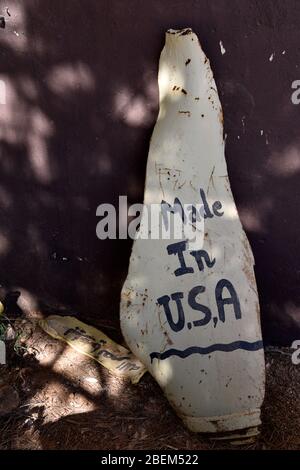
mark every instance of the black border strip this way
{"type": "Point", "coordinates": [246, 345]}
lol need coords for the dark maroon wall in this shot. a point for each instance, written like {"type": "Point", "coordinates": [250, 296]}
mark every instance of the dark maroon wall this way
{"type": "Point", "coordinates": [81, 104]}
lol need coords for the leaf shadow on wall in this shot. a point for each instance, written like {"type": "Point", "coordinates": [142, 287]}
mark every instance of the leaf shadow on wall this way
{"type": "Point", "coordinates": [81, 102]}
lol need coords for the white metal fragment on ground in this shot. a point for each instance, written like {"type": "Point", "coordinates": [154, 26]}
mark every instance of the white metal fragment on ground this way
{"type": "Point", "coordinates": [190, 312]}
{"type": "Point", "coordinates": [93, 343]}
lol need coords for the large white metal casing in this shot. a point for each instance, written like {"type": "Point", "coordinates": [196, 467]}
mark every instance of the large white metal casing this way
{"type": "Point", "coordinates": [209, 365]}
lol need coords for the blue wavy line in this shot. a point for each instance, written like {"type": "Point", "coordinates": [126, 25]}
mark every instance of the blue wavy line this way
{"type": "Point", "coordinates": [246, 345]}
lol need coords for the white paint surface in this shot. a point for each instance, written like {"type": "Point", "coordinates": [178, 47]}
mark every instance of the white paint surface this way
{"type": "Point", "coordinates": [221, 390]}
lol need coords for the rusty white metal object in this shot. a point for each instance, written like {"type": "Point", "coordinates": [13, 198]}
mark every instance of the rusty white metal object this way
{"type": "Point", "coordinates": [189, 311]}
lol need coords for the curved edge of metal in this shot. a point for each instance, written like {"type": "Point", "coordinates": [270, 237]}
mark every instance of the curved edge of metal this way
{"type": "Point", "coordinates": [245, 422]}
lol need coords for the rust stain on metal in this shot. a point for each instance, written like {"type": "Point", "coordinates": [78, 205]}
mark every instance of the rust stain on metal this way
{"type": "Point", "coordinates": [185, 32]}
{"type": "Point", "coordinates": [187, 113]}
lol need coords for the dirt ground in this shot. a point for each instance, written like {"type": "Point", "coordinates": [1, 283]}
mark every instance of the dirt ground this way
{"type": "Point", "coordinates": [68, 401]}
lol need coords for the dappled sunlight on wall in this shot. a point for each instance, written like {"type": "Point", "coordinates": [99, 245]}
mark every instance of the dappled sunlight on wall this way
{"type": "Point", "coordinates": [286, 163]}
{"type": "Point", "coordinates": [16, 26]}
{"type": "Point", "coordinates": [41, 130]}
{"type": "Point", "coordinates": [133, 110]}
{"type": "Point", "coordinates": [255, 219]}
{"type": "Point", "coordinates": [66, 79]}
{"type": "Point", "coordinates": [81, 102]}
